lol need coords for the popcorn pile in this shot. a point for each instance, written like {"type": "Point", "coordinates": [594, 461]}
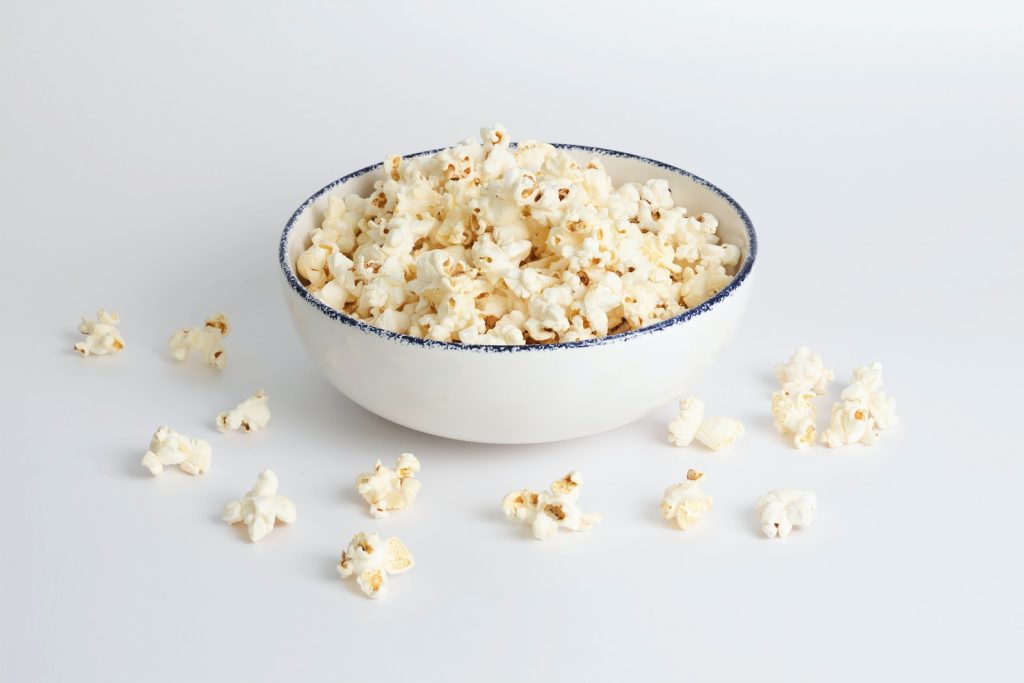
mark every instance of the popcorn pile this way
{"type": "Point", "coordinates": [483, 243]}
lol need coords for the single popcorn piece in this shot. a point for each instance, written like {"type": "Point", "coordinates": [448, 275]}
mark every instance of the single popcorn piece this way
{"type": "Point", "coordinates": [719, 432]}
{"type": "Point", "coordinates": [862, 411]}
{"type": "Point", "coordinates": [168, 447]}
{"type": "Point", "coordinates": [250, 415]}
{"type": "Point", "coordinates": [101, 335]}
{"type": "Point", "coordinates": [684, 426]}
{"type": "Point", "coordinates": [881, 407]}
{"type": "Point", "coordinates": [804, 371]}
{"type": "Point", "coordinates": [793, 413]}
{"type": "Point", "coordinates": [780, 510]}
{"type": "Point", "coordinates": [685, 502]}
{"type": "Point", "coordinates": [261, 507]}
{"type": "Point", "coordinates": [546, 511]}
{"type": "Point", "coordinates": [206, 340]}
{"type": "Point", "coordinates": [488, 244]}
{"type": "Point", "coordinates": [372, 561]}
{"type": "Point", "coordinates": [390, 489]}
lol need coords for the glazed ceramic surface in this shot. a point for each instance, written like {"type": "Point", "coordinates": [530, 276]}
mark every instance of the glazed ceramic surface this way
{"type": "Point", "coordinates": [522, 394]}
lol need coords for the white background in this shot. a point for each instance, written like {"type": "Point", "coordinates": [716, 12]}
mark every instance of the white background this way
{"type": "Point", "coordinates": [149, 157]}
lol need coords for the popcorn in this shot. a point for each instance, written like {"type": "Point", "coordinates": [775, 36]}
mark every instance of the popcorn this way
{"type": "Point", "coordinates": [546, 511]}
{"type": "Point", "coordinates": [804, 371]}
{"type": "Point", "coordinates": [793, 413]}
{"type": "Point", "coordinates": [390, 489]}
{"type": "Point", "coordinates": [168, 447]}
{"type": "Point", "coordinates": [251, 415]}
{"type": "Point", "coordinates": [372, 562]}
{"type": "Point", "coordinates": [101, 335]}
{"type": "Point", "coordinates": [261, 507]}
{"type": "Point", "coordinates": [719, 432]}
{"type": "Point", "coordinates": [780, 510]}
{"type": "Point", "coordinates": [205, 340]}
{"type": "Point", "coordinates": [683, 426]}
{"type": "Point", "coordinates": [863, 409]}
{"type": "Point", "coordinates": [685, 502]}
{"type": "Point", "coordinates": [485, 244]}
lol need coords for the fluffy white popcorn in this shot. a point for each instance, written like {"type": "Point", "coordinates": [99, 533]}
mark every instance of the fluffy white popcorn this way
{"type": "Point", "coordinates": [685, 502]}
{"type": "Point", "coordinates": [719, 432]}
{"type": "Point", "coordinates": [780, 510]}
{"type": "Point", "coordinates": [261, 507]}
{"type": "Point", "coordinates": [205, 340]}
{"type": "Point", "coordinates": [881, 407]}
{"type": "Point", "coordinates": [168, 447]}
{"type": "Point", "coordinates": [390, 489]}
{"type": "Point", "coordinates": [372, 561]}
{"type": "Point", "coordinates": [101, 335]}
{"type": "Point", "coordinates": [793, 413]}
{"type": "Point", "coordinates": [863, 409]}
{"type": "Point", "coordinates": [250, 415]}
{"type": "Point", "coordinates": [684, 426]}
{"type": "Point", "coordinates": [483, 243]}
{"type": "Point", "coordinates": [546, 511]}
{"type": "Point", "coordinates": [804, 370]}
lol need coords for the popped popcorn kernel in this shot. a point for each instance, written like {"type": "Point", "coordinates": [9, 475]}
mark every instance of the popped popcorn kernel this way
{"type": "Point", "coordinates": [793, 413]}
{"type": "Point", "coordinates": [261, 507]}
{"type": "Point", "coordinates": [683, 427]}
{"type": "Point", "coordinates": [780, 510]}
{"type": "Point", "coordinates": [250, 415]}
{"type": "Point", "coordinates": [205, 340]}
{"type": "Point", "coordinates": [386, 489]}
{"type": "Point", "coordinates": [862, 411]}
{"type": "Point", "coordinates": [547, 511]}
{"type": "Point", "coordinates": [685, 502]}
{"type": "Point", "coordinates": [804, 371]}
{"type": "Point", "coordinates": [372, 561]}
{"type": "Point", "coordinates": [168, 447]}
{"type": "Point", "coordinates": [101, 335]}
{"type": "Point", "coordinates": [719, 432]}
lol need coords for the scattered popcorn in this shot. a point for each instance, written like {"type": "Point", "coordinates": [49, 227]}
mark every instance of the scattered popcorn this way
{"type": "Point", "coordinates": [260, 507]}
{"type": "Point", "coordinates": [719, 432]}
{"type": "Point", "coordinates": [250, 415]}
{"type": "Point", "coordinates": [546, 511]}
{"type": "Point", "coordinates": [101, 335]}
{"type": "Point", "coordinates": [205, 340]}
{"type": "Point", "coordinates": [863, 409]}
{"type": "Point", "coordinates": [685, 502]}
{"type": "Point", "coordinates": [372, 561]}
{"type": "Point", "coordinates": [779, 511]}
{"type": "Point", "coordinates": [793, 413]}
{"type": "Point", "coordinates": [683, 426]}
{"type": "Point", "coordinates": [804, 371]}
{"type": "Point", "coordinates": [390, 489]}
{"type": "Point", "coordinates": [483, 243]}
{"type": "Point", "coordinates": [168, 447]}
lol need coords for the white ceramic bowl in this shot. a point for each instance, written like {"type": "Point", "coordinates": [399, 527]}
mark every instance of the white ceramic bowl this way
{"type": "Point", "coordinates": [522, 394]}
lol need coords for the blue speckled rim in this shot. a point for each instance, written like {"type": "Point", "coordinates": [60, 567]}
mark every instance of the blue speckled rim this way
{"type": "Point", "coordinates": [738, 279]}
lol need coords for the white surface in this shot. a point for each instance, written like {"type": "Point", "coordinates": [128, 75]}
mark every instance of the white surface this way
{"type": "Point", "coordinates": [149, 157]}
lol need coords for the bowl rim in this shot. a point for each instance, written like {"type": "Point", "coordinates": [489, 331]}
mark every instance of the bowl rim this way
{"type": "Point", "coordinates": [738, 279]}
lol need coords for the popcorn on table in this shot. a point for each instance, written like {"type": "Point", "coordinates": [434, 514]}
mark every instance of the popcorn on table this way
{"type": "Point", "coordinates": [719, 432]}
{"type": "Point", "coordinates": [390, 489]}
{"type": "Point", "coordinates": [685, 502]}
{"type": "Point", "coordinates": [250, 415]}
{"type": "Point", "coordinates": [546, 511]}
{"type": "Point", "coordinates": [206, 340]}
{"type": "Point", "coordinates": [372, 561]}
{"type": "Point", "coordinates": [793, 413]}
{"type": "Point", "coordinates": [485, 244]}
{"type": "Point", "coordinates": [804, 371]}
{"type": "Point", "coordinates": [101, 335]}
{"type": "Point", "coordinates": [863, 409]}
{"type": "Point", "coordinates": [168, 447]}
{"type": "Point", "coordinates": [780, 510]}
{"type": "Point", "coordinates": [684, 426]}
{"type": "Point", "coordinates": [261, 507]}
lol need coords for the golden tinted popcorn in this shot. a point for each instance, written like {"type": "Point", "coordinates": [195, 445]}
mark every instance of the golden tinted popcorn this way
{"type": "Point", "coordinates": [684, 426]}
{"type": "Point", "coordinates": [250, 415]}
{"type": "Point", "coordinates": [205, 340]}
{"type": "Point", "coordinates": [546, 511]}
{"type": "Point", "coordinates": [483, 243]}
{"type": "Point", "coordinates": [261, 507]}
{"type": "Point", "coordinates": [779, 511]}
{"type": "Point", "coordinates": [168, 447]}
{"type": "Point", "coordinates": [719, 432]}
{"type": "Point", "coordinates": [101, 335]}
{"type": "Point", "coordinates": [685, 502]}
{"type": "Point", "coordinates": [793, 413]}
{"type": "Point", "coordinates": [372, 561]}
{"type": "Point", "coordinates": [390, 489]}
